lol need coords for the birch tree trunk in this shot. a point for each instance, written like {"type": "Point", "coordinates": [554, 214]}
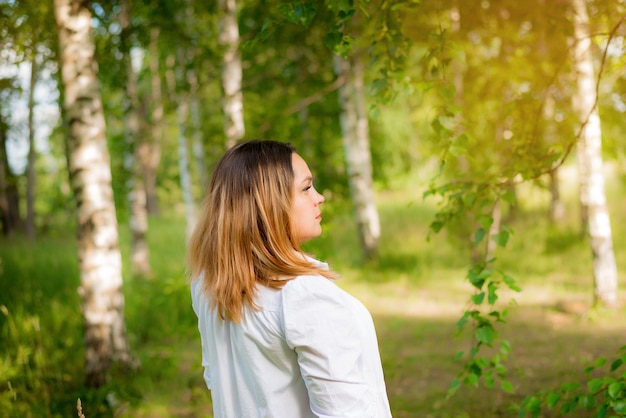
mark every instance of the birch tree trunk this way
{"type": "Point", "coordinates": [590, 163]}
{"type": "Point", "coordinates": [196, 128]}
{"type": "Point", "coordinates": [32, 152]}
{"type": "Point", "coordinates": [152, 155]}
{"type": "Point", "coordinates": [100, 261]}
{"type": "Point", "coordinates": [140, 254]}
{"type": "Point", "coordinates": [355, 133]}
{"type": "Point", "coordinates": [175, 79]}
{"type": "Point", "coordinates": [232, 100]}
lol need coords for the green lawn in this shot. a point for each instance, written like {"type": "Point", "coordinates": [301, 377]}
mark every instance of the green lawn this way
{"type": "Point", "coordinates": [416, 293]}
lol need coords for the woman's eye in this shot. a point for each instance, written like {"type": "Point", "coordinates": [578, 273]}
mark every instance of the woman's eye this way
{"type": "Point", "coordinates": [306, 188]}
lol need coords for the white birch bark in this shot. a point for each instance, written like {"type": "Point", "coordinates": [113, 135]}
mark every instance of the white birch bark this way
{"type": "Point", "coordinates": [100, 260]}
{"type": "Point", "coordinates": [591, 166]}
{"type": "Point", "coordinates": [232, 100]}
{"type": "Point", "coordinates": [355, 134]}
{"type": "Point", "coordinates": [175, 77]}
{"type": "Point", "coordinates": [138, 219]}
{"type": "Point", "coordinates": [196, 128]}
{"type": "Point", "coordinates": [152, 155]}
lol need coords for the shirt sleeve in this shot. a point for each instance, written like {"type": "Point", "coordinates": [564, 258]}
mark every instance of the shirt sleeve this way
{"type": "Point", "coordinates": [200, 307]}
{"type": "Point", "coordinates": [325, 329]}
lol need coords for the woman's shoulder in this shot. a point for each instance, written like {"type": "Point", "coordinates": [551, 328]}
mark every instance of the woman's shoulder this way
{"type": "Point", "coordinates": [312, 290]}
{"type": "Point", "coordinates": [310, 282]}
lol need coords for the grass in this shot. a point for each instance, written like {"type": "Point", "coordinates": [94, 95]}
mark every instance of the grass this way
{"type": "Point", "coordinates": [416, 293]}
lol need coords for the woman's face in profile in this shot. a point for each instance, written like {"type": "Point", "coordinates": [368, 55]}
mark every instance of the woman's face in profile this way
{"type": "Point", "coordinates": [306, 215]}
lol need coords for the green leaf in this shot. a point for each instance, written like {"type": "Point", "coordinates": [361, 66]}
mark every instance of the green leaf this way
{"type": "Point", "coordinates": [298, 13]}
{"type": "Point", "coordinates": [501, 238]}
{"type": "Point", "coordinates": [600, 361]}
{"type": "Point", "coordinates": [595, 385]}
{"type": "Point", "coordinates": [499, 367]}
{"type": "Point", "coordinates": [436, 226]}
{"type": "Point", "coordinates": [508, 197]}
{"type": "Point", "coordinates": [505, 347]}
{"type": "Point", "coordinates": [478, 298]}
{"type": "Point", "coordinates": [477, 276]}
{"type": "Point", "coordinates": [454, 386]}
{"type": "Point", "coordinates": [493, 297]}
{"type": "Point", "coordinates": [570, 387]}
{"type": "Point", "coordinates": [532, 405]}
{"type": "Point", "coordinates": [495, 314]}
{"type": "Point", "coordinates": [510, 282]}
{"type": "Point", "coordinates": [340, 43]}
{"type": "Point", "coordinates": [447, 122]}
{"type": "Point", "coordinates": [485, 334]}
{"type": "Point", "coordinates": [569, 406]}
{"type": "Point", "coordinates": [479, 235]}
{"type": "Point", "coordinates": [485, 221]}
{"type": "Point", "coordinates": [507, 386]}
{"type": "Point", "coordinates": [615, 389]}
{"type": "Point", "coordinates": [472, 379]}
{"type": "Point", "coordinates": [552, 399]}
{"type": "Point", "coordinates": [587, 401]}
{"type": "Point", "coordinates": [463, 320]}
{"type": "Point", "coordinates": [619, 406]}
{"type": "Point", "coordinates": [489, 381]}
{"type": "Point", "coordinates": [616, 364]}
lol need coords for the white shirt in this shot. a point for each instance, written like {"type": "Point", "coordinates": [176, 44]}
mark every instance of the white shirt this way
{"type": "Point", "coordinates": [310, 351]}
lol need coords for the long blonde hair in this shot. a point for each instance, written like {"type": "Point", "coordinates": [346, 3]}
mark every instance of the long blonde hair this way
{"type": "Point", "coordinates": [244, 235]}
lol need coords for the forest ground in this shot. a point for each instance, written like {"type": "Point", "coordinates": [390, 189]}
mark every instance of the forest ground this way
{"type": "Point", "coordinates": [416, 293]}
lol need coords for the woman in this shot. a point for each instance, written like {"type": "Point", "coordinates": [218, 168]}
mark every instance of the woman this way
{"type": "Point", "coordinates": [279, 337]}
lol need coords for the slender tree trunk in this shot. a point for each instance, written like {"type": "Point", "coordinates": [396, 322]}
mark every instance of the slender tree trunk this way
{"type": "Point", "coordinates": [5, 215]}
{"type": "Point", "coordinates": [9, 193]}
{"type": "Point", "coordinates": [232, 100]}
{"type": "Point", "coordinates": [583, 191]}
{"type": "Point", "coordinates": [458, 79]}
{"type": "Point", "coordinates": [557, 208]}
{"type": "Point", "coordinates": [355, 130]}
{"type": "Point", "coordinates": [557, 211]}
{"type": "Point", "coordinates": [100, 261]}
{"type": "Point", "coordinates": [196, 128]}
{"type": "Point", "coordinates": [31, 179]}
{"type": "Point", "coordinates": [592, 175]}
{"type": "Point", "coordinates": [140, 257]}
{"type": "Point", "coordinates": [152, 155]}
{"type": "Point", "coordinates": [175, 77]}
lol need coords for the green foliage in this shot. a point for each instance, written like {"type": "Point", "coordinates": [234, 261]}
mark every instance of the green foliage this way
{"type": "Point", "coordinates": [42, 350]}
{"type": "Point", "coordinates": [38, 288]}
{"type": "Point", "coordinates": [38, 300]}
{"type": "Point", "coordinates": [298, 13]}
{"type": "Point", "coordinates": [603, 395]}
{"type": "Point", "coordinates": [479, 367]}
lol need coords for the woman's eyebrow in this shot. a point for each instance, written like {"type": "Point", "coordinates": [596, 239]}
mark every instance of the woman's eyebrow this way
{"type": "Point", "coordinates": [306, 179]}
